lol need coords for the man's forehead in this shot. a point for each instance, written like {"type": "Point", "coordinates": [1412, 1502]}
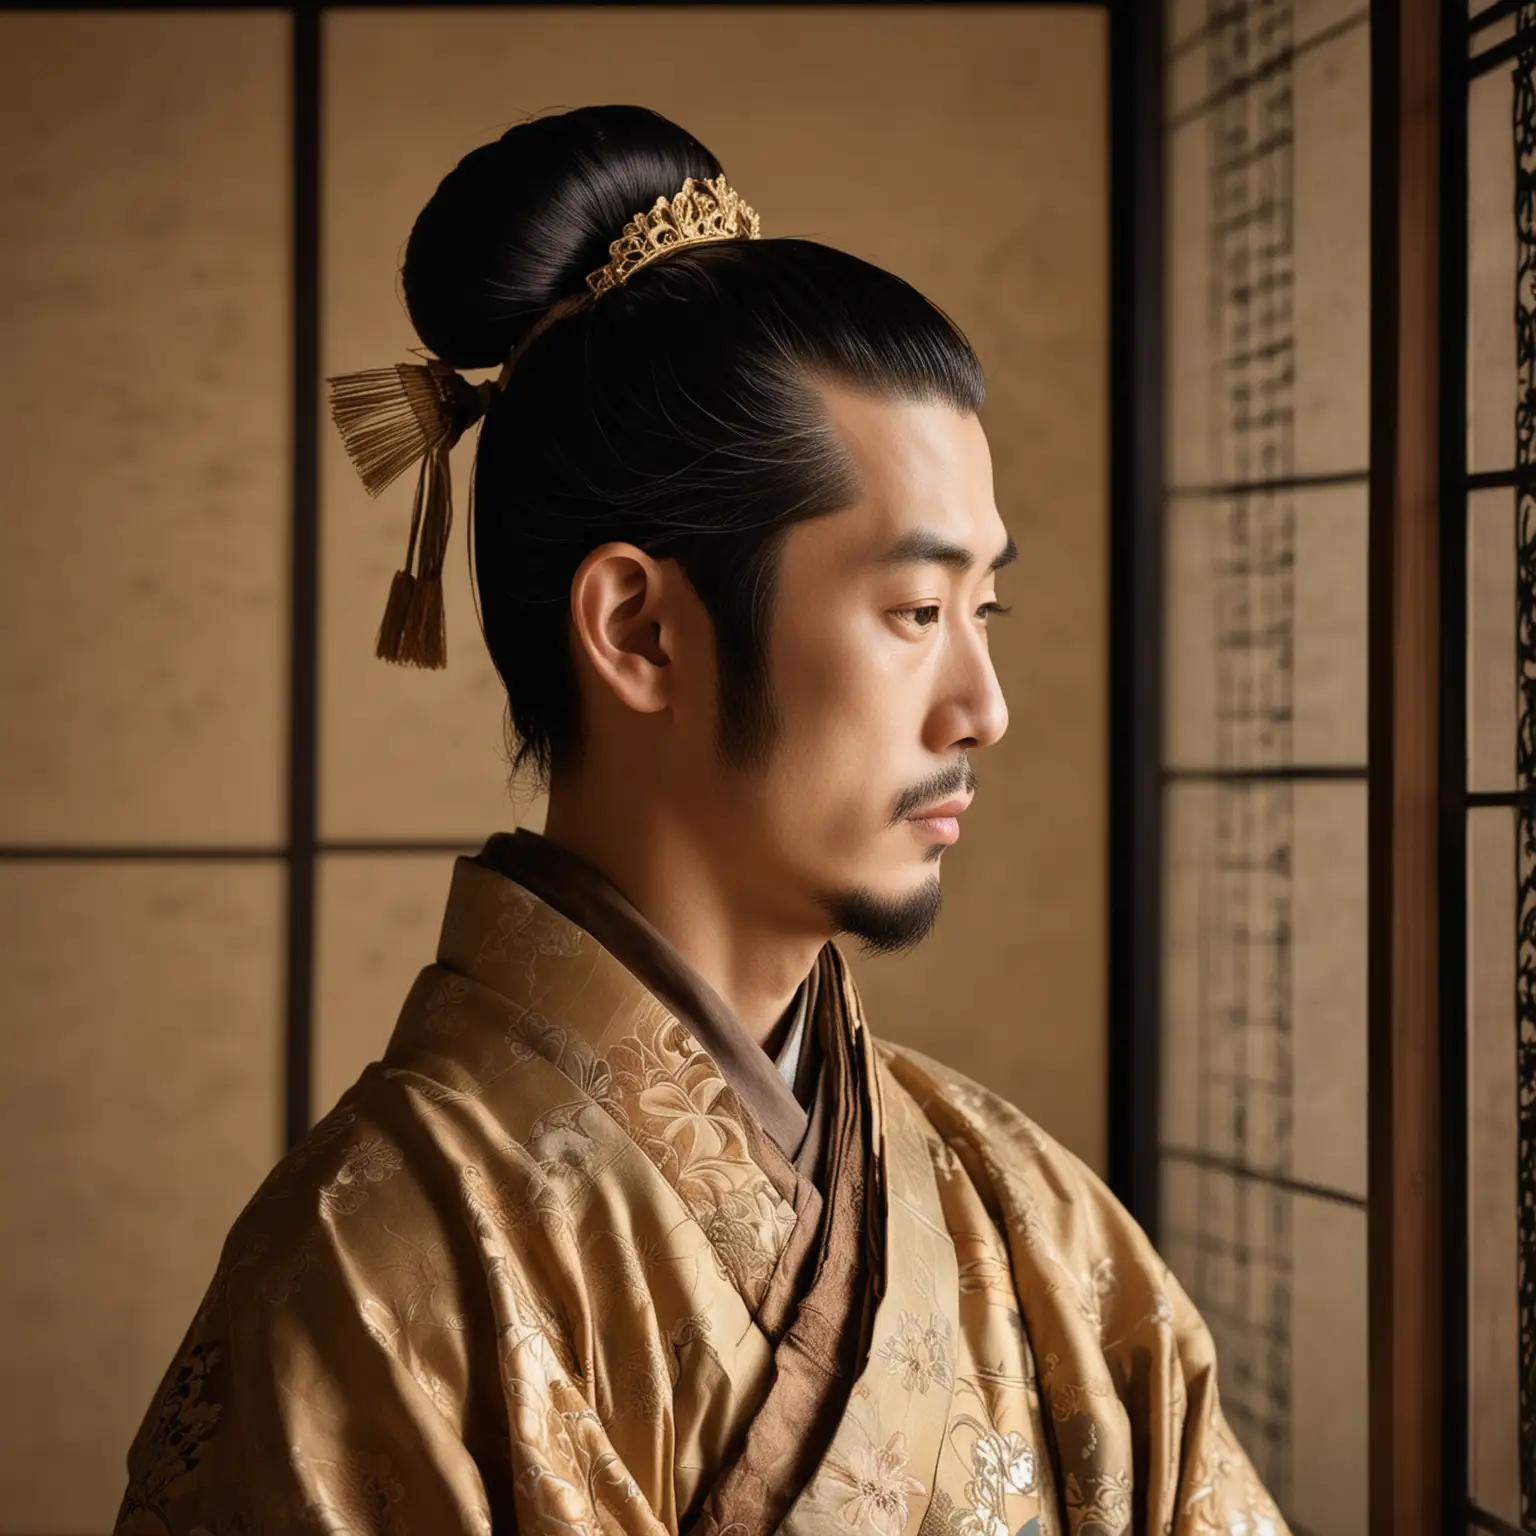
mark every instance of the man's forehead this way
{"type": "Point", "coordinates": [894, 440]}
{"type": "Point", "coordinates": [922, 467]}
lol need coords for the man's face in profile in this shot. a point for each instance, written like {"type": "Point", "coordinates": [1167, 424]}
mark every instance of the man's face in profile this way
{"type": "Point", "coordinates": [881, 680]}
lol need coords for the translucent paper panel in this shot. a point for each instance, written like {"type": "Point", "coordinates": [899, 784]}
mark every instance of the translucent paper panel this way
{"type": "Point", "coordinates": [1315, 21]}
{"type": "Point", "coordinates": [379, 924]}
{"type": "Point", "coordinates": [1491, 261]}
{"type": "Point", "coordinates": [144, 258]}
{"type": "Point", "coordinates": [1280, 1279]}
{"type": "Point", "coordinates": [139, 1109]}
{"type": "Point", "coordinates": [1189, 393]}
{"type": "Point", "coordinates": [1492, 660]}
{"type": "Point", "coordinates": [894, 98]}
{"type": "Point", "coordinates": [1490, 33]}
{"type": "Point", "coordinates": [1181, 20]}
{"type": "Point", "coordinates": [1264, 978]}
{"type": "Point", "coordinates": [1331, 191]}
{"type": "Point", "coordinates": [1494, 1175]}
{"type": "Point", "coordinates": [1265, 629]}
{"type": "Point", "coordinates": [1191, 81]}
{"type": "Point", "coordinates": [1267, 259]}
{"type": "Point", "coordinates": [1329, 1313]}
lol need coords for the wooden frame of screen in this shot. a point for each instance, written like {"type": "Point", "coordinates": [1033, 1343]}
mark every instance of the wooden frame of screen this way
{"type": "Point", "coordinates": [1408, 1453]}
{"type": "Point", "coordinates": [1135, 875]}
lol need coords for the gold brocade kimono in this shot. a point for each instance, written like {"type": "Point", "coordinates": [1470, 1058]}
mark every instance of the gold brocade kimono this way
{"type": "Point", "coordinates": [553, 1266]}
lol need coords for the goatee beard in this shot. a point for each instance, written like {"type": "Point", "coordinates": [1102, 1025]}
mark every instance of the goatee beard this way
{"type": "Point", "coordinates": [887, 925]}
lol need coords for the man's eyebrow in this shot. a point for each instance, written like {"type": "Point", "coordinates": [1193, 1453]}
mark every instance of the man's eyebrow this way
{"type": "Point", "coordinates": [925, 547]}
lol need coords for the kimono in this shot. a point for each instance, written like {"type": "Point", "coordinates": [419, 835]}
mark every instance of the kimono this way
{"type": "Point", "coordinates": [574, 1257]}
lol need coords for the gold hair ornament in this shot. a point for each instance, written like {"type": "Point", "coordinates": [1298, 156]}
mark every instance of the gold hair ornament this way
{"type": "Point", "coordinates": [391, 418]}
{"type": "Point", "coordinates": [702, 211]}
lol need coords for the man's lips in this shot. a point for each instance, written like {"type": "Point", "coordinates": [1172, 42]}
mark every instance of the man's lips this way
{"type": "Point", "coordinates": [948, 808]}
{"type": "Point", "coordinates": [940, 823]}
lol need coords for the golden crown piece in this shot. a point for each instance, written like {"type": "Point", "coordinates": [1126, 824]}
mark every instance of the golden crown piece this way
{"type": "Point", "coordinates": [703, 211]}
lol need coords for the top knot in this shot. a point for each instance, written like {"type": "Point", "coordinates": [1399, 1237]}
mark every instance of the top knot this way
{"type": "Point", "coordinates": [520, 222]}
{"type": "Point", "coordinates": [391, 418]}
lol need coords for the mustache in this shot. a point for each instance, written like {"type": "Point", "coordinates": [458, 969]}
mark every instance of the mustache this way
{"type": "Point", "coordinates": [939, 786]}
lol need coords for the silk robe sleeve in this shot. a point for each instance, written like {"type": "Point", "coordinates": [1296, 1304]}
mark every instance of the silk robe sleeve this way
{"type": "Point", "coordinates": [325, 1381]}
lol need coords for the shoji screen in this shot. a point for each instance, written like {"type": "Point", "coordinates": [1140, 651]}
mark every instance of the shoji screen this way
{"type": "Point", "coordinates": [144, 323]}
{"type": "Point", "coordinates": [1263, 1117]}
{"type": "Point", "coordinates": [1498, 512]}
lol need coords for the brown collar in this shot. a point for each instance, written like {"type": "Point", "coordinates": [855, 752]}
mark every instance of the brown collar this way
{"type": "Point", "coordinates": [589, 899]}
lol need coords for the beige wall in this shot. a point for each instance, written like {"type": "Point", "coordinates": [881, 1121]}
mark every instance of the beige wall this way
{"type": "Point", "coordinates": [144, 320]}
{"type": "Point", "coordinates": [144, 266]}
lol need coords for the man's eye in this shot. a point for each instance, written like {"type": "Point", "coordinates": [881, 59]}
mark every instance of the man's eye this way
{"type": "Point", "coordinates": [987, 610]}
{"type": "Point", "coordinates": [924, 617]}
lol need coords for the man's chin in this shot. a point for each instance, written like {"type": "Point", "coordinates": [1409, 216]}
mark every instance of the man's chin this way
{"type": "Point", "coordinates": [888, 924]}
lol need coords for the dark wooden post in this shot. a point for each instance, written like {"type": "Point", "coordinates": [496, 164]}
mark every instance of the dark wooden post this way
{"type": "Point", "coordinates": [1405, 1251]}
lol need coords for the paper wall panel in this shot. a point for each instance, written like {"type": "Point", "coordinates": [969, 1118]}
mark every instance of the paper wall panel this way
{"type": "Point", "coordinates": [1187, 23]}
{"type": "Point", "coordinates": [1491, 260]}
{"type": "Point", "coordinates": [1265, 629]}
{"type": "Point", "coordinates": [1332, 206]}
{"type": "Point", "coordinates": [145, 261]}
{"type": "Point", "coordinates": [1492, 658]}
{"type": "Point", "coordinates": [379, 919]}
{"type": "Point", "coordinates": [139, 1110]}
{"type": "Point", "coordinates": [1280, 1280]}
{"type": "Point", "coordinates": [1493, 1098]}
{"type": "Point", "coordinates": [1268, 257]}
{"type": "Point", "coordinates": [1189, 349]}
{"type": "Point", "coordinates": [1330, 1323]}
{"type": "Point", "coordinates": [1264, 978]}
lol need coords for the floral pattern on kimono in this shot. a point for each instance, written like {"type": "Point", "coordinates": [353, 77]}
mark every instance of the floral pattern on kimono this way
{"type": "Point", "coordinates": [515, 1282]}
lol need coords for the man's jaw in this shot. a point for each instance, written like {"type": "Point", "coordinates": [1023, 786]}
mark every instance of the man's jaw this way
{"type": "Point", "coordinates": [887, 924]}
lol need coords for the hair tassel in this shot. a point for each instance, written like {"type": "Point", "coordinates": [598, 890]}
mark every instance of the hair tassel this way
{"type": "Point", "coordinates": [390, 645]}
{"type": "Point", "coordinates": [389, 419]}
{"type": "Point", "coordinates": [425, 641]}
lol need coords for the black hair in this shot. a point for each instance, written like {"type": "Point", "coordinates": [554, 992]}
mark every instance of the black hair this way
{"type": "Point", "coordinates": [679, 413]}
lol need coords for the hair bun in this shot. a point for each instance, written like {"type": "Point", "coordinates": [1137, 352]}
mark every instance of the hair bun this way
{"type": "Point", "coordinates": [519, 223]}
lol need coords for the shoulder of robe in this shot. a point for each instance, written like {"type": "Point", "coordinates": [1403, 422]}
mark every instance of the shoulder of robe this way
{"type": "Point", "coordinates": [947, 1096]}
{"type": "Point", "coordinates": [372, 1166]}
{"type": "Point", "coordinates": [287, 1249]}
{"type": "Point", "coordinates": [333, 1326]}
{"type": "Point", "coordinates": [1061, 1201]}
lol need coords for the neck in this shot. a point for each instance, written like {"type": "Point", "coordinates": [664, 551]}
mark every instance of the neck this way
{"type": "Point", "coordinates": [681, 881]}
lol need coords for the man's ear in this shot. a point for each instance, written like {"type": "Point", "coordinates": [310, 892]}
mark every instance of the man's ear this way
{"type": "Point", "coordinates": [618, 601]}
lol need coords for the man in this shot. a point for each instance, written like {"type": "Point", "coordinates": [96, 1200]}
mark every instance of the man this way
{"type": "Point", "coordinates": [636, 1227]}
